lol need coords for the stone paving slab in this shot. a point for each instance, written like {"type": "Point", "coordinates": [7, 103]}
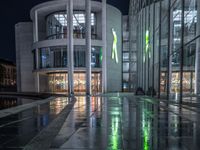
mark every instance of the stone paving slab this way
{"type": "Point", "coordinates": [44, 139]}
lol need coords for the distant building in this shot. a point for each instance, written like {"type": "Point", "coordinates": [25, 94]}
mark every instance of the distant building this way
{"type": "Point", "coordinates": [7, 74]}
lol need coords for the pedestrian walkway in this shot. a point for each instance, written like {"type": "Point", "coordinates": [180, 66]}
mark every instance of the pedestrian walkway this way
{"type": "Point", "coordinates": [128, 123]}
{"type": "Point", "coordinates": [106, 122]}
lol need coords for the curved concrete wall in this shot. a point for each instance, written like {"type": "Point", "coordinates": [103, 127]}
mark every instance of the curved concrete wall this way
{"type": "Point", "coordinates": [47, 8]}
{"type": "Point", "coordinates": [63, 42]}
{"type": "Point", "coordinates": [114, 70]}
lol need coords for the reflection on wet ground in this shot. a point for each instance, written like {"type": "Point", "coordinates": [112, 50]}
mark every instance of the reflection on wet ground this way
{"type": "Point", "coordinates": [8, 102]}
{"type": "Point", "coordinates": [114, 122]}
{"type": "Point", "coordinates": [18, 129]}
{"type": "Point", "coordinates": [128, 123]}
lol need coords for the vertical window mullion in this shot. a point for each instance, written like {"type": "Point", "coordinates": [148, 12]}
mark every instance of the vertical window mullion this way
{"type": "Point", "coordinates": [182, 51]}
{"type": "Point", "coordinates": [168, 65]}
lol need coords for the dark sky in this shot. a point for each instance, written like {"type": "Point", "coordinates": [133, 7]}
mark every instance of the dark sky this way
{"type": "Point", "coordinates": [14, 11]}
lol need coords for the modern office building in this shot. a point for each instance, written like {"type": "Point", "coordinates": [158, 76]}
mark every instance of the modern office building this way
{"type": "Point", "coordinates": [168, 46]}
{"type": "Point", "coordinates": [70, 46]}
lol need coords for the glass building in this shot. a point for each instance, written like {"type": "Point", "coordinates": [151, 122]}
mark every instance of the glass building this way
{"type": "Point", "coordinates": [129, 55]}
{"type": "Point", "coordinates": [167, 43]}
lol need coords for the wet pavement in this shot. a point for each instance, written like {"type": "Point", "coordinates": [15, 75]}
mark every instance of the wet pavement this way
{"type": "Point", "coordinates": [8, 102]}
{"type": "Point", "coordinates": [18, 129]}
{"type": "Point", "coordinates": [113, 122]}
{"type": "Point", "coordinates": [128, 123]}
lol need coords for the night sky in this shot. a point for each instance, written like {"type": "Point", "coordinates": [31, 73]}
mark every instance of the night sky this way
{"type": "Point", "coordinates": [14, 11]}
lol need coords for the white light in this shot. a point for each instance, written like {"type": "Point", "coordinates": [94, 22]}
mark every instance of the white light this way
{"type": "Point", "coordinates": [77, 19]}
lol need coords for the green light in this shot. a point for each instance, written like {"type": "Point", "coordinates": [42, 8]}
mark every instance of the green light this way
{"type": "Point", "coordinates": [114, 49]}
{"type": "Point", "coordinates": [115, 134]}
{"type": "Point", "coordinates": [147, 41]}
{"type": "Point", "coordinates": [146, 124]}
{"type": "Point", "coordinates": [147, 47]}
{"type": "Point", "coordinates": [146, 130]}
{"type": "Point", "coordinates": [101, 55]}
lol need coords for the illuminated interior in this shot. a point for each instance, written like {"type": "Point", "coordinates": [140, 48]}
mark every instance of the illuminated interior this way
{"type": "Point", "coordinates": [188, 82]}
{"type": "Point", "coordinates": [57, 25]}
{"type": "Point", "coordinates": [58, 82]}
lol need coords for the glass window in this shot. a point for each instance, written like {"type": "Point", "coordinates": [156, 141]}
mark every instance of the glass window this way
{"type": "Point", "coordinates": [125, 67]}
{"type": "Point", "coordinates": [164, 49]}
{"type": "Point", "coordinates": [57, 25]}
{"type": "Point", "coordinates": [125, 82]}
{"type": "Point", "coordinates": [189, 57]}
{"type": "Point", "coordinates": [64, 58]}
{"type": "Point", "coordinates": [133, 66]}
{"type": "Point", "coordinates": [176, 28]}
{"type": "Point", "coordinates": [96, 57]}
{"type": "Point", "coordinates": [56, 57]}
{"type": "Point", "coordinates": [176, 13]}
{"type": "Point", "coordinates": [163, 82]}
{"type": "Point", "coordinates": [125, 56]}
{"type": "Point", "coordinates": [133, 56]}
{"type": "Point", "coordinates": [125, 87]}
{"type": "Point", "coordinates": [188, 86]}
{"type": "Point", "coordinates": [190, 20]}
{"type": "Point", "coordinates": [125, 77]}
{"type": "Point", "coordinates": [96, 82]}
{"type": "Point", "coordinates": [125, 46]}
{"type": "Point", "coordinates": [44, 58]}
{"type": "Point", "coordinates": [58, 82]}
{"type": "Point", "coordinates": [175, 83]}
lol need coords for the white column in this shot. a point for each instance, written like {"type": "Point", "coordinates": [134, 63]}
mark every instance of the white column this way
{"type": "Point", "coordinates": [104, 47]}
{"type": "Point", "coordinates": [88, 46]}
{"type": "Point", "coordinates": [70, 47]}
{"type": "Point", "coordinates": [36, 26]}
{"type": "Point", "coordinates": [36, 39]}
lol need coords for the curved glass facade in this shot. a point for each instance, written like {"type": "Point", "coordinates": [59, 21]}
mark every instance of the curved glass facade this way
{"type": "Point", "coordinates": [57, 25]}
{"type": "Point", "coordinates": [56, 57]}
{"type": "Point", "coordinates": [167, 45]}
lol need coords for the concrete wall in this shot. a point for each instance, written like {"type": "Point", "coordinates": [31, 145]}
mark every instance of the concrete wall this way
{"type": "Point", "coordinates": [24, 57]}
{"type": "Point", "coordinates": [114, 70]}
{"type": "Point", "coordinates": [99, 25]}
{"type": "Point", "coordinates": [44, 83]}
{"type": "Point", "coordinates": [42, 29]}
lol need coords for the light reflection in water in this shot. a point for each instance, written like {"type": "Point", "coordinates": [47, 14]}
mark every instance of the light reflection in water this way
{"type": "Point", "coordinates": [115, 134]}
{"type": "Point", "coordinates": [115, 120]}
{"type": "Point", "coordinates": [146, 126]}
{"type": "Point", "coordinates": [146, 131]}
